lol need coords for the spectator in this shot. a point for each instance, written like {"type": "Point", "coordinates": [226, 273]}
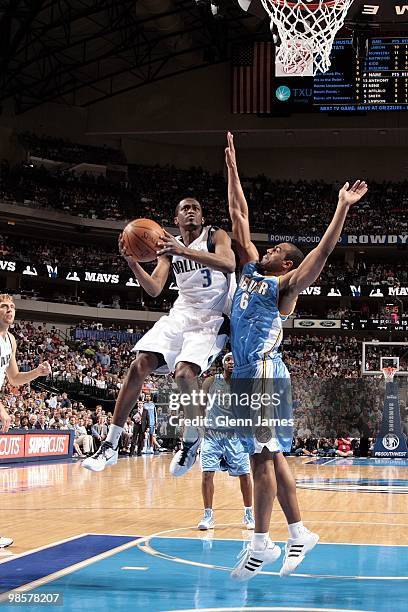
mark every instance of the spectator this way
{"type": "Point", "coordinates": [344, 447]}
{"type": "Point", "coordinates": [141, 425]}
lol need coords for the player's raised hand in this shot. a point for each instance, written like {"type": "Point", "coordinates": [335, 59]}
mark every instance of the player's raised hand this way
{"type": "Point", "coordinates": [5, 419]}
{"type": "Point", "coordinates": [348, 196]}
{"type": "Point", "coordinates": [169, 245]}
{"type": "Point", "coordinates": [44, 369]}
{"type": "Point", "coordinates": [230, 156]}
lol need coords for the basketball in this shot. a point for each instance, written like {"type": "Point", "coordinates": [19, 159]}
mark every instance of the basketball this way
{"type": "Point", "coordinates": [140, 237]}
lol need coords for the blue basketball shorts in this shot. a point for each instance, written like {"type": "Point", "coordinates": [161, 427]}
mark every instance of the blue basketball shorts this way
{"type": "Point", "coordinates": [262, 405]}
{"type": "Point", "coordinates": [224, 453]}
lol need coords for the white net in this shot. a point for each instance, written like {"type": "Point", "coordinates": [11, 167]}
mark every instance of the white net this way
{"type": "Point", "coordinates": [306, 31]}
{"type": "Point", "coordinates": [389, 373]}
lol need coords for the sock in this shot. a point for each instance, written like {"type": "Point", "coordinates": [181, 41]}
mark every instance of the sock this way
{"type": "Point", "coordinates": [190, 434]}
{"type": "Point", "coordinates": [247, 509]}
{"type": "Point", "coordinates": [114, 434]}
{"type": "Point", "coordinates": [296, 529]}
{"type": "Point", "coordinates": [259, 541]}
{"type": "Point", "coordinates": [208, 511]}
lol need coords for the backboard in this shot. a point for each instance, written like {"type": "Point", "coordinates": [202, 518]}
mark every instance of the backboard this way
{"type": "Point", "coordinates": [376, 355]}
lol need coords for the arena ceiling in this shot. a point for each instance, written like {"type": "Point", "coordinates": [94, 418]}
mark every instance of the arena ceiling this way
{"type": "Point", "coordinates": [79, 52]}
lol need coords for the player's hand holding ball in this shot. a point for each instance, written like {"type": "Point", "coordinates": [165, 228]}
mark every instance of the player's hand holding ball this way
{"type": "Point", "coordinates": [348, 196]}
{"type": "Point", "coordinates": [170, 246]}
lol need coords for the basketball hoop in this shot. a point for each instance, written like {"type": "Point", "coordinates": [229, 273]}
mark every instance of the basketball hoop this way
{"type": "Point", "coordinates": [389, 374]}
{"type": "Point", "coordinates": [306, 32]}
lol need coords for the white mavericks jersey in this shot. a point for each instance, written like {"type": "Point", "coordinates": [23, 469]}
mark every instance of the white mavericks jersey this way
{"type": "Point", "coordinates": [201, 287]}
{"type": "Point", "coordinates": [6, 350]}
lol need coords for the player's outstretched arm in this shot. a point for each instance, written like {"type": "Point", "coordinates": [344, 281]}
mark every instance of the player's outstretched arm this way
{"type": "Point", "coordinates": [238, 208]}
{"type": "Point", "coordinates": [223, 258]}
{"type": "Point", "coordinates": [152, 283]}
{"type": "Point", "coordinates": [298, 280]}
{"type": "Point", "coordinates": [17, 378]}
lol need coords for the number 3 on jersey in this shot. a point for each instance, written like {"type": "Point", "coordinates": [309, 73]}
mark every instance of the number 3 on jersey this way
{"type": "Point", "coordinates": [244, 301]}
{"type": "Point", "coordinates": [207, 280]}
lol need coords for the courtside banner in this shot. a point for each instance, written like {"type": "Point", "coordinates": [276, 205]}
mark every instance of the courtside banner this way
{"type": "Point", "coordinates": [345, 240]}
{"type": "Point", "coordinates": [34, 446]}
{"type": "Point", "coordinates": [317, 323]}
{"type": "Point", "coordinates": [390, 441]}
{"type": "Point", "coordinates": [11, 446]}
{"type": "Point", "coordinates": [46, 444]}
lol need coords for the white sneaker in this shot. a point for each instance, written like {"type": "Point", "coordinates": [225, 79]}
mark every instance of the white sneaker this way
{"type": "Point", "coordinates": [4, 542]}
{"type": "Point", "coordinates": [295, 551]}
{"type": "Point", "coordinates": [248, 519]}
{"type": "Point", "coordinates": [252, 561]}
{"type": "Point", "coordinates": [105, 455]}
{"type": "Point", "coordinates": [185, 458]}
{"type": "Point", "coordinates": [207, 522]}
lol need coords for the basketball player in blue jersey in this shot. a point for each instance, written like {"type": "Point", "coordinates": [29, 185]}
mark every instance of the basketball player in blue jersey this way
{"type": "Point", "coordinates": [9, 367]}
{"type": "Point", "coordinates": [266, 295]}
{"type": "Point", "coordinates": [191, 336]}
{"type": "Point", "coordinates": [221, 449]}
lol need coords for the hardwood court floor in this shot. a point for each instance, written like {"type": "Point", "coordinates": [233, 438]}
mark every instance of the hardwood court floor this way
{"type": "Point", "coordinates": [44, 503]}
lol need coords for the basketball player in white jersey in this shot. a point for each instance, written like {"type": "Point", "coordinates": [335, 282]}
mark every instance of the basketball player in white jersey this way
{"type": "Point", "coordinates": [191, 336]}
{"type": "Point", "coordinates": [8, 366]}
{"type": "Point", "coordinates": [221, 449]}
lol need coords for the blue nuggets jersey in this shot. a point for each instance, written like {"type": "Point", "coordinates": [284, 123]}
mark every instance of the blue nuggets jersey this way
{"type": "Point", "coordinates": [256, 324]}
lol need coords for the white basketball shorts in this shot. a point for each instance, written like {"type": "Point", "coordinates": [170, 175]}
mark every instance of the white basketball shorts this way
{"type": "Point", "coordinates": [193, 335]}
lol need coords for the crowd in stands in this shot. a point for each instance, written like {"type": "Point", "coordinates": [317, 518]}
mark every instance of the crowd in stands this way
{"type": "Point", "coordinates": [331, 400]}
{"type": "Point", "coordinates": [64, 191]}
{"type": "Point", "coordinates": [57, 253]}
{"type": "Point", "coordinates": [103, 363]}
{"type": "Point", "coordinates": [41, 410]}
{"type": "Point", "coordinates": [38, 410]}
{"type": "Point", "coordinates": [59, 149]}
{"type": "Point", "coordinates": [303, 207]}
{"type": "Point", "coordinates": [364, 272]}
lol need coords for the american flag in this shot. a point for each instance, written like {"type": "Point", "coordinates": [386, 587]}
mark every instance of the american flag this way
{"type": "Point", "coordinates": [253, 69]}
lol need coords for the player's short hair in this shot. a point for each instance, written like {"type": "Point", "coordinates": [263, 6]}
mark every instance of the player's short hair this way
{"type": "Point", "coordinates": [5, 297]}
{"type": "Point", "coordinates": [294, 254]}
{"type": "Point", "coordinates": [186, 200]}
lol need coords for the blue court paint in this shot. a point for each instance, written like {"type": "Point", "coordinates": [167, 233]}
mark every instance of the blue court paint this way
{"type": "Point", "coordinates": [17, 572]}
{"type": "Point", "coordinates": [370, 461]}
{"type": "Point", "coordinates": [346, 577]}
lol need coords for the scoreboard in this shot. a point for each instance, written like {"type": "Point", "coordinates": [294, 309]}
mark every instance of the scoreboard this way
{"type": "Point", "coordinates": [376, 82]}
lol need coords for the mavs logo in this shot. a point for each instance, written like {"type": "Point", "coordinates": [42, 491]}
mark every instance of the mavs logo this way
{"type": "Point", "coordinates": [390, 442]}
{"type": "Point", "coordinates": [283, 93]}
